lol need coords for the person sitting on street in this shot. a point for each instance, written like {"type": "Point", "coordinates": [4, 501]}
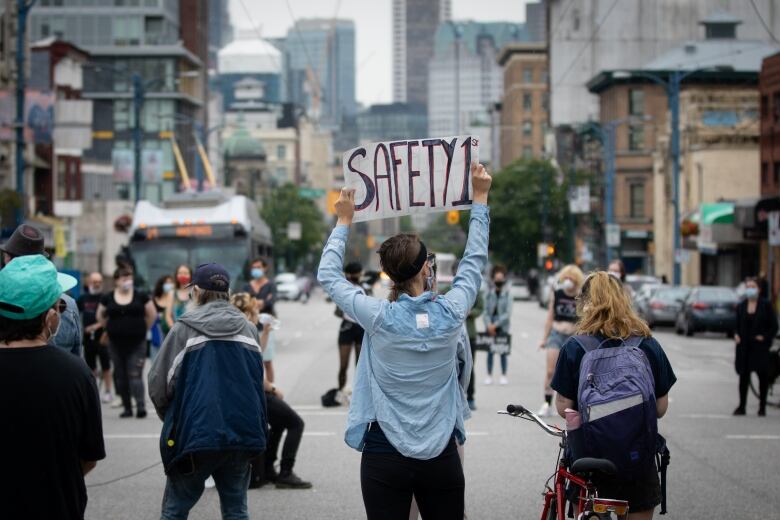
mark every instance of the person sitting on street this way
{"type": "Point", "coordinates": [410, 359]}
{"type": "Point", "coordinates": [28, 240]}
{"type": "Point", "coordinates": [281, 417]}
{"type": "Point", "coordinates": [206, 384]}
{"type": "Point", "coordinates": [52, 433]}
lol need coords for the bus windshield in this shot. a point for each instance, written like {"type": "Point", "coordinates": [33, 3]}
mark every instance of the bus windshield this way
{"type": "Point", "coordinates": [155, 258]}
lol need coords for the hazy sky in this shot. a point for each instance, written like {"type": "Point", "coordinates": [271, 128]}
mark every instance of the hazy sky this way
{"type": "Point", "coordinates": [373, 25]}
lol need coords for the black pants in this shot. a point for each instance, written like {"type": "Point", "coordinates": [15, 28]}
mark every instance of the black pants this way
{"type": "Point", "coordinates": [763, 388]}
{"type": "Point", "coordinates": [470, 388]}
{"type": "Point", "coordinates": [280, 418]}
{"type": "Point", "coordinates": [389, 480]}
{"type": "Point", "coordinates": [128, 372]}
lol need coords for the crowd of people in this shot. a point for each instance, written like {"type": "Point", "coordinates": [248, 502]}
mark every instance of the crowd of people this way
{"type": "Point", "coordinates": [212, 382]}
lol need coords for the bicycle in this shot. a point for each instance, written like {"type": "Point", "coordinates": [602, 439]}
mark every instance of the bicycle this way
{"type": "Point", "coordinates": [580, 473]}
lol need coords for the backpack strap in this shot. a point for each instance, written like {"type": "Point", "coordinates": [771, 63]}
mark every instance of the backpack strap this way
{"type": "Point", "coordinates": [588, 342]}
{"type": "Point", "coordinates": [633, 341]}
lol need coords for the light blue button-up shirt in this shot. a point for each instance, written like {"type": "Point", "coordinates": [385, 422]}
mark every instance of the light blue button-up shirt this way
{"type": "Point", "coordinates": [413, 351]}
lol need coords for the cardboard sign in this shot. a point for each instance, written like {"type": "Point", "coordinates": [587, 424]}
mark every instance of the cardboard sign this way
{"type": "Point", "coordinates": [397, 178]}
{"type": "Point", "coordinates": [501, 344]}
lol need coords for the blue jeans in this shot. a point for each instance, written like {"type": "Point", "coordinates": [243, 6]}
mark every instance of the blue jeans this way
{"type": "Point", "coordinates": [185, 485]}
{"type": "Point", "coordinates": [490, 363]}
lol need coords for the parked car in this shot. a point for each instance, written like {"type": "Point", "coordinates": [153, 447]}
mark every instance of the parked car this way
{"type": "Point", "coordinates": [636, 281]}
{"type": "Point", "coordinates": [546, 290]}
{"type": "Point", "coordinates": [287, 286]}
{"type": "Point", "coordinates": [642, 296]}
{"type": "Point", "coordinates": [708, 308]}
{"type": "Point", "coordinates": [660, 304]}
{"type": "Point", "coordinates": [519, 289]}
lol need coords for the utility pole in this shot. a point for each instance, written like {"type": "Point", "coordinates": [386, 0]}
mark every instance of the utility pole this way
{"type": "Point", "coordinates": [138, 103]}
{"type": "Point", "coordinates": [23, 9]}
{"type": "Point", "coordinates": [673, 94]}
{"type": "Point", "coordinates": [609, 203]}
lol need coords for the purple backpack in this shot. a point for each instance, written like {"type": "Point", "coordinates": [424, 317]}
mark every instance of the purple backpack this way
{"type": "Point", "coordinates": [616, 399]}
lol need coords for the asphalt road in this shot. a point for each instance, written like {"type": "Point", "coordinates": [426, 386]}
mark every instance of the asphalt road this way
{"type": "Point", "coordinates": [722, 467]}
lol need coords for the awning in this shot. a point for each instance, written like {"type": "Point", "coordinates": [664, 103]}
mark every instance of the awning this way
{"type": "Point", "coordinates": [717, 213]}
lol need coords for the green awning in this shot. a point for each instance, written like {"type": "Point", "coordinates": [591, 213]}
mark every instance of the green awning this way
{"type": "Point", "coordinates": [717, 213]}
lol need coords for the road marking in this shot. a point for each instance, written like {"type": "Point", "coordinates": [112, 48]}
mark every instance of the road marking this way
{"type": "Point", "coordinates": [754, 437]}
{"type": "Point", "coordinates": [477, 434]}
{"type": "Point", "coordinates": [299, 407]}
{"type": "Point", "coordinates": [320, 414]}
{"type": "Point", "coordinates": [132, 436]}
{"type": "Point", "coordinates": [705, 416]}
{"type": "Point", "coordinates": [319, 434]}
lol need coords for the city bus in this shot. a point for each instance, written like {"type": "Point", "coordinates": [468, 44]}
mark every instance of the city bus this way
{"type": "Point", "coordinates": [196, 228]}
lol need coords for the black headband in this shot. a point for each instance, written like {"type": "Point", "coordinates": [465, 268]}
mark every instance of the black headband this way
{"type": "Point", "coordinates": [415, 267]}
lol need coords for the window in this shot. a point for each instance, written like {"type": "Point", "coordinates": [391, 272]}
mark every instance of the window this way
{"type": "Point", "coordinates": [528, 101]}
{"type": "Point", "coordinates": [528, 127]}
{"type": "Point", "coordinates": [153, 32]}
{"type": "Point", "coordinates": [281, 152]}
{"type": "Point", "coordinates": [637, 194]}
{"type": "Point", "coordinates": [636, 138]}
{"type": "Point", "coordinates": [636, 102]}
{"type": "Point", "coordinates": [528, 75]}
{"type": "Point", "coordinates": [528, 152]}
{"type": "Point", "coordinates": [545, 101]}
{"type": "Point", "coordinates": [127, 30]}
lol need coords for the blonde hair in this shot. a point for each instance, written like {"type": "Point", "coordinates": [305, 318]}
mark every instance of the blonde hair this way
{"type": "Point", "coordinates": [573, 272]}
{"type": "Point", "coordinates": [605, 309]}
{"type": "Point", "coordinates": [244, 302]}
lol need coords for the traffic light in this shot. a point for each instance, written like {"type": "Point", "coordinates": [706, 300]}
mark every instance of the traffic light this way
{"type": "Point", "coordinates": [548, 265]}
{"type": "Point", "coordinates": [370, 242]}
{"type": "Point", "coordinates": [453, 217]}
{"type": "Point", "coordinates": [550, 250]}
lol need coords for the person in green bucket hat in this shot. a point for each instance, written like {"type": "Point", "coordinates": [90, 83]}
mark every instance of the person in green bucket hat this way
{"type": "Point", "coordinates": [48, 398]}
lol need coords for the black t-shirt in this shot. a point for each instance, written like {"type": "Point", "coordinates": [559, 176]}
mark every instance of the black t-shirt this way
{"type": "Point", "coordinates": [126, 325]}
{"type": "Point", "coordinates": [564, 307]}
{"type": "Point", "coordinates": [88, 305]}
{"type": "Point", "coordinates": [269, 289]}
{"type": "Point", "coordinates": [567, 372]}
{"type": "Point", "coordinates": [50, 423]}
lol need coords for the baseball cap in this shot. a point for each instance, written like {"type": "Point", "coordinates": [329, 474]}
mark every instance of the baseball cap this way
{"type": "Point", "coordinates": [29, 286]}
{"type": "Point", "coordinates": [211, 277]}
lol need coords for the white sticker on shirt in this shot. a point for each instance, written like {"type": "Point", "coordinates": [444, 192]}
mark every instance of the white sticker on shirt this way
{"type": "Point", "coordinates": [422, 321]}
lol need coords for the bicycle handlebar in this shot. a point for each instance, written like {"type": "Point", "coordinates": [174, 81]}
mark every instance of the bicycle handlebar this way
{"type": "Point", "coordinates": [516, 410]}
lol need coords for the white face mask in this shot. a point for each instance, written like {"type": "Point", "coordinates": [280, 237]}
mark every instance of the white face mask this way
{"type": "Point", "coordinates": [126, 286]}
{"type": "Point", "coordinates": [53, 333]}
{"type": "Point", "coordinates": [567, 285]}
{"type": "Point", "coordinates": [94, 290]}
{"type": "Point", "coordinates": [616, 274]}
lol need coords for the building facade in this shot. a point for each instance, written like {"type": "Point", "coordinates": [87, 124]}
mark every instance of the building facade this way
{"type": "Point", "coordinates": [587, 37]}
{"type": "Point", "coordinates": [465, 79]}
{"type": "Point", "coordinates": [319, 69]}
{"type": "Point", "coordinates": [220, 30]}
{"type": "Point", "coordinates": [163, 41]}
{"type": "Point", "coordinates": [414, 28]}
{"type": "Point", "coordinates": [395, 121]}
{"type": "Point", "coordinates": [524, 109]}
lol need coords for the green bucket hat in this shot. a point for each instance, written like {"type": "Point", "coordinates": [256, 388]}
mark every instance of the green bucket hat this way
{"type": "Point", "coordinates": [31, 285]}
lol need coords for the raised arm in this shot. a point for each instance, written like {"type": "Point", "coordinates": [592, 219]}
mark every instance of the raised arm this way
{"type": "Point", "coordinates": [349, 297]}
{"type": "Point", "coordinates": [469, 275]}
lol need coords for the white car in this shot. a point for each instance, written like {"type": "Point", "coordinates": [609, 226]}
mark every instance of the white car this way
{"type": "Point", "coordinates": [287, 286]}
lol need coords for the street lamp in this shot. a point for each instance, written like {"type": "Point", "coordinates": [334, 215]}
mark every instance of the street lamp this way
{"type": "Point", "coordinates": [458, 34]}
{"type": "Point", "coordinates": [672, 88]}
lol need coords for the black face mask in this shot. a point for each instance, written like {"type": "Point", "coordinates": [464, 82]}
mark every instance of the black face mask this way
{"type": "Point", "coordinates": [500, 284]}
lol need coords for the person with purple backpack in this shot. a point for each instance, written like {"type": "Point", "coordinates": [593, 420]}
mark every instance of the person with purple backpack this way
{"type": "Point", "coordinates": [616, 377]}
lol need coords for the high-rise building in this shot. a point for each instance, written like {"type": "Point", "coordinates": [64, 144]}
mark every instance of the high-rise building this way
{"type": "Point", "coordinates": [165, 43]}
{"type": "Point", "coordinates": [465, 79]}
{"type": "Point", "coordinates": [220, 29]}
{"type": "Point", "coordinates": [319, 69]}
{"type": "Point", "coordinates": [414, 30]}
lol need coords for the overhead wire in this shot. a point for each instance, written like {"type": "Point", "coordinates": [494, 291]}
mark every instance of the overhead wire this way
{"type": "Point", "coordinates": [763, 22]}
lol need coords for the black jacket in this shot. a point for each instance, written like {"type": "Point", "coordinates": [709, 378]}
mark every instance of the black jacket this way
{"type": "Point", "coordinates": [753, 355]}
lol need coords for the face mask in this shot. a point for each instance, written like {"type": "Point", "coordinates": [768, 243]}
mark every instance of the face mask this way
{"type": "Point", "coordinates": [500, 283]}
{"type": "Point", "coordinates": [94, 290]}
{"type": "Point", "coordinates": [53, 333]}
{"type": "Point", "coordinates": [168, 287]}
{"type": "Point", "coordinates": [126, 286]}
{"type": "Point", "coordinates": [183, 279]}
{"type": "Point", "coordinates": [257, 273]}
{"type": "Point", "coordinates": [567, 285]}
{"type": "Point", "coordinates": [430, 280]}
{"type": "Point", "coordinates": [616, 274]}
{"type": "Point", "coordinates": [751, 293]}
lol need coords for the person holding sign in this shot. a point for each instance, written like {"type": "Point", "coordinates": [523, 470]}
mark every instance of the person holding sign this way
{"type": "Point", "coordinates": [498, 312]}
{"type": "Point", "coordinates": [408, 406]}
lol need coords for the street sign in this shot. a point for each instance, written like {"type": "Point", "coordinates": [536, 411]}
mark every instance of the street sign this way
{"type": "Point", "coordinates": [774, 228]}
{"type": "Point", "coordinates": [613, 235]}
{"type": "Point", "coordinates": [682, 256]}
{"type": "Point", "coordinates": [294, 230]}
{"type": "Point", "coordinates": [579, 200]}
{"type": "Point", "coordinates": [311, 193]}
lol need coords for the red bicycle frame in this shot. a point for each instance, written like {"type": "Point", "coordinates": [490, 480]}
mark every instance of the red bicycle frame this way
{"type": "Point", "coordinates": [558, 494]}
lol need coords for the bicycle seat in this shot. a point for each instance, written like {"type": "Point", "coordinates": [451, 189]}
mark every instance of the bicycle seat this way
{"type": "Point", "coordinates": [590, 466]}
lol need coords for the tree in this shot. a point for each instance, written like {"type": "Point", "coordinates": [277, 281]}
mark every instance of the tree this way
{"type": "Point", "coordinates": [442, 237]}
{"type": "Point", "coordinates": [520, 194]}
{"type": "Point", "coordinates": [285, 205]}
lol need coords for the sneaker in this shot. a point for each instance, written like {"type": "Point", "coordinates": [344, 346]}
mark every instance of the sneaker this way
{"type": "Point", "coordinates": [108, 398]}
{"type": "Point", "coordinates": [126, 414]}
{"type": "Point", "coordinates": [503, 381]}
{"type": "Point", "coordinates": [140, 414]}
{"type": "Point", "coordinates": [210, 482]}
{"type": "Point", "coordinates": [739, 411]}
{"type": "Point", "coordinates": [488, 380]}
{"type": "Point", "coordinates": [472, 405]}
{"type": "Point", "coordinates": [544, 411]}
{"type": "Point", "coordinates": [116, 403]}
{"type": "Point", "coordinates": [762, 411]}
{"type": "Point", "coordinates": [289, 480]}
